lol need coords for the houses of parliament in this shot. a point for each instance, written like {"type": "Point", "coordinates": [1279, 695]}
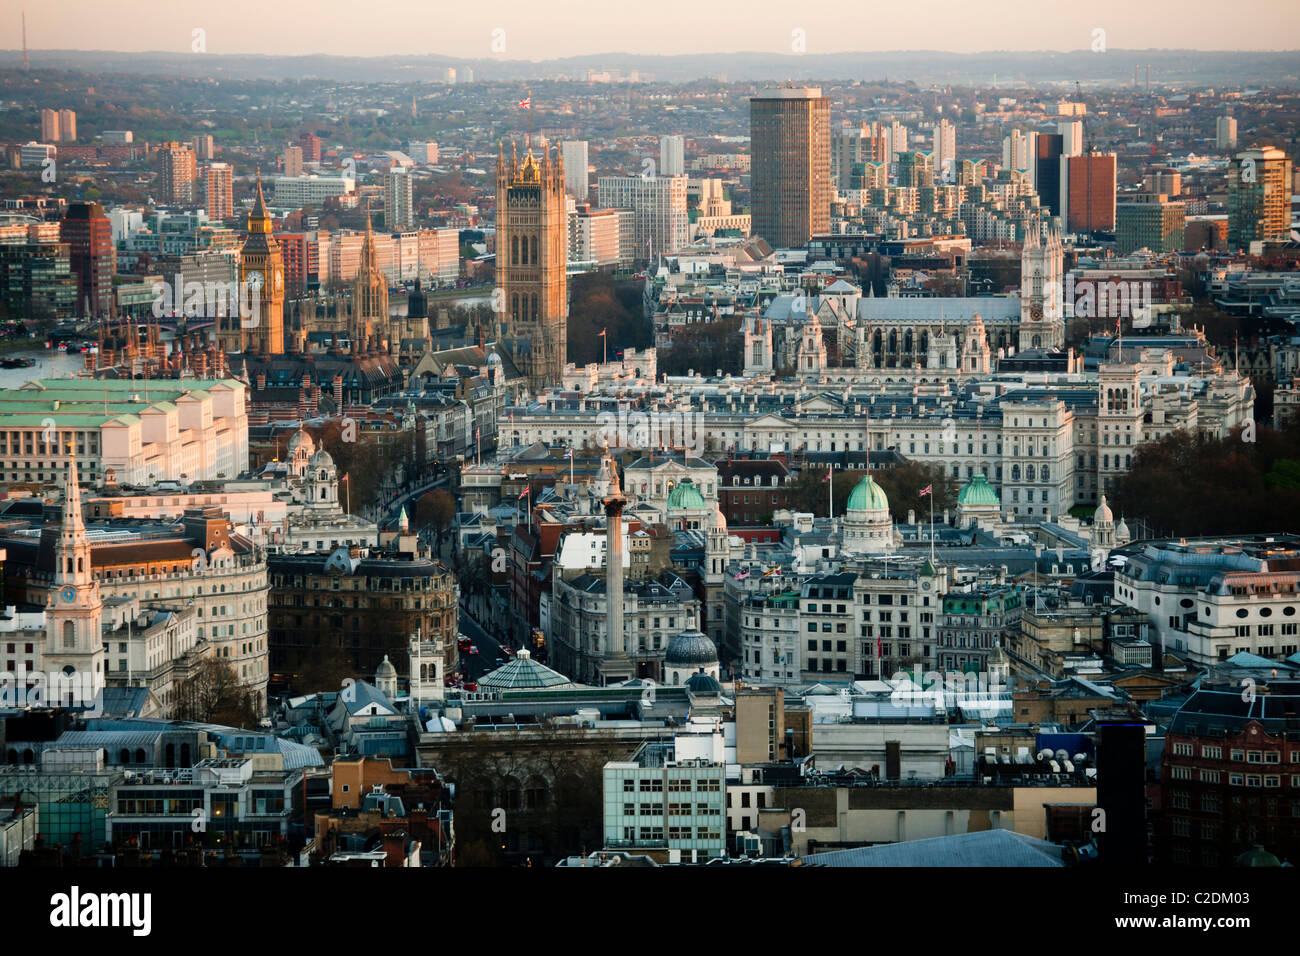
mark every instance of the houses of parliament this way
{"type": "Point", "coordinates": [279, 343]}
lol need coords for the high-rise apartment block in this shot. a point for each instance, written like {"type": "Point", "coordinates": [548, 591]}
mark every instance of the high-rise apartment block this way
{"type": "Point", "coordinates": [177, 174]}
{"type": "Point", "coordinates": [1259, 197]}
{"type": "Point", "coordinates": [658, 203]}
{"type": "Point", "coordinates": [1071, 132]}
{"type": "Point", "coordinates": [790, 171]}
{"type": "Point", "coordinates": [68, 126]}
{"type": "Point", "coordinates": [49, 126]}
{"type": "Point", "coordinates": [311, 147]}
{"type": "Point", "coordinates": [293, 161]}
{"type": "Point", "coordinates": [945, 151]}
{"type": "Point", "coordinates": [672, 156]}
{"type": "Point", "coordinates": [398, 209]}
{"type": "Point", "coordinates": [1225, 133]}
{"type": "Point", "coordinates": [574, 152]}
{"type": "Point", "coordinates": [204, 147]}
{"type": "Point", "coordinates": [219, 182]}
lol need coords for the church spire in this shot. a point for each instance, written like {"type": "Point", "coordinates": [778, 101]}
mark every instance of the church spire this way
{"type": "Point", "coordinates": [72, 519]}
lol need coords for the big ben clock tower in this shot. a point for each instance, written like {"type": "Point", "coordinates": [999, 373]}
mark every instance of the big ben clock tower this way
{"type": "Point", "coordinates": [261, 277]}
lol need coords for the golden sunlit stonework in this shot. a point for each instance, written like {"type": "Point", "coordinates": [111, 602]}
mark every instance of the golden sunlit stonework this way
{"type": "Point", "coordinates": [531, 256]}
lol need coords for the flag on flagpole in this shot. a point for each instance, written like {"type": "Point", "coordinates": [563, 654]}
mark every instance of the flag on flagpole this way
{"type": "Point", "coordinates": [522, 493]}
{"type": "Point", "coordinates": [926, 490]}
{"type": "Point", "coordinates": [827, 478]}
{"type": "Point", "coordinates": [741, 575]}
{"type": "Point", "coordinates": [345, 477]}
{"type": "Point", "coordinates": [602, 333]}
{"type": "Point", "coordinates": [527, 102]}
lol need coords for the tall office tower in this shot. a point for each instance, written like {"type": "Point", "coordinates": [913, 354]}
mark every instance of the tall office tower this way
{"type": "Point", "coordinates": [672, 156]}
{"type": "Point", "coordinates": [1164, 180]}
{"type": "Point", "coordinates": [1259, 197]}
{"type": "Point", "coordinates": [261, 269]}
{"type": "Point", "coordinates": [89, 235]}
{"type": "Point", "coordinates": [398, 209]}
{"type": "Point", "coordinates": [915, 169]}
{"type": "Point", "coordinates": [1152, 222]}
{"type": "Point", "coordinates": [1015, 151]}
{"type": "Point", "coordinates": [68, 126]}
{"type": "Point", "coordinates": [1071, 132]}
{"type": "Point", "coordinates": [532, 247]}
{"type": "Point", "coordinates": [49, 126]}
{"type": "Point", "coordinates": [1047, 171]}
{"type": "Point", "coordinates": [1042, 267]}
{"type": "Point", "coordinates": [945, 151]}
{"type": "Point", "coordinates": [660, 222]}
{"type": "Point", "coordinates": [1088, 192]}
{"type": "Point", "coordinates": [790, 164]}
{"type": "Point", "coordinates": [219, 181]}
{"type": "Point", "coordinates": [1225, 132]}
{"type": "Point", "coordinates": [311, 147]}
{"type": "Point", "coordinates": [178, 173]}
{"type": "Point", "coordinates": [574, 152]}
{"type": "Point", "coordinates": [293, 161]}
{"type": "Point", "coordinates": [204, 147]}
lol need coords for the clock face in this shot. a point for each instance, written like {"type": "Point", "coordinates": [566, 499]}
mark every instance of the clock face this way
{"type": "Point", "coordinates": [254, 280]}
{"type": "Point", "coordinates": [69, 595]}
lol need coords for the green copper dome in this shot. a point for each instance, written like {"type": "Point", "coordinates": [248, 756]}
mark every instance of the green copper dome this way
{"type": "Point", "coordinates": [867, 496]}
{"type": "Point", "coordinates": [685, 497]}
{"type": "Point", "coordinates": [978, 493]}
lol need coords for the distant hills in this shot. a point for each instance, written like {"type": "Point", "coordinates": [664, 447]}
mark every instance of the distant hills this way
{"type": "Point", "coordinates": [925, 68]}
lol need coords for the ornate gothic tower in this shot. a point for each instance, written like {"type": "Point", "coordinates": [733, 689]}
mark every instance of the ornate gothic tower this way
{"type": "Point", "coordinates": [1042, 320]}
{"type": "Point", "coordinates": [369, 315]}
{"type": "Point", "coordinates": [73, 610]}
{"type": "Point", "coordinates": [758, 346]}
{"type": "Point", "coordinates": [261, 268]}
{"type": "Point", "coordinates": [532, 254]}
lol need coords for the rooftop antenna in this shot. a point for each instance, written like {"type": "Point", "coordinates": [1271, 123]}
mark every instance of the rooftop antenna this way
{"type": "Point", "coordinates": [27, 63]}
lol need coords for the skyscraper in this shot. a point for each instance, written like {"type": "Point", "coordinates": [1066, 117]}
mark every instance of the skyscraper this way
{"type": "Point", "coordinates": [790, 164]}
{"type": "Point", "coordinates": [219, 185]}
{"type": "Point", "coordinates": [398, 209]}
{"type": "Point", "coordinates": [177, 173]}
{"type": "Point", "coordinates": [89, 236]}
{"type": "Point", "coordinates": [1071, 132]}
{"type": "Point", "coordinates": [1047, 171]}
{"type": "Point", "coordinates": [204, 147]}
{"type": "Point", "coordinates": [68, 126]}
{"type": "Point", "coordinates": [531, 258]}
{"type": "Point", "coordinates": [672, 156]}
{"type": "Point", "coordinates": [1152, 222]}
{"type": "Point", "coordinates": [574, 152]}
{"type": "Point", "coordinates": [1259, 197]}
{"type": "Point", "coordinates": [1088, 192]}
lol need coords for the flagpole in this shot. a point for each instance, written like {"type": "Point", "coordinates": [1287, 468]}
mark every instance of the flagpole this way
{"type": "Point", "coordinates": [830, 488]}
{"type": "Point", "coordinates": [932, 527]}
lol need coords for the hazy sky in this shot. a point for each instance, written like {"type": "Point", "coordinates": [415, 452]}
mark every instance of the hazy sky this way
{"type": "Point", "coordinates": [543, 30]}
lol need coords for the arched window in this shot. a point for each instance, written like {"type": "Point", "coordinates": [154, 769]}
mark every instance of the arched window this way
{"type": "Point", "coordinates": [1015, 472]}
{"type": "Point", "coordinates": [124, 757]}
{"type": "Point", "coordinates": [139, 755]}
{"type": "Point", "coordinates": [514, 306]}
{"type": "Point", "coordinates": [170, 754]}
{"type": "Point", "coordinates": [534, 307]}
{"type": "Point", "coordinates": [1043, 473]}
{"type": "Point", "coordinates": [1029, 473]}
{"type": "Point", "coordinates": [69, 635]}
{"type": "Point", "coordinates": [533, 246]}
{"type": "Point", "coordinates": [514, 250]}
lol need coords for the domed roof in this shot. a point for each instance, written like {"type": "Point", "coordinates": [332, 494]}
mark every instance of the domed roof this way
{"type": "Point", "coordinates": [301, 439]}
{"type": "Point", "coordinates": [718, 520]}
{"type": "Point", "coordinates": [703, 684]}
{"type": "Point", "coordinates": [494, 359]}
{"type": "Point", "coordinates": [685, 496]}
{"type": "Point", "coordinates": [385, 669]}
{"type": "Point", "coordinates": [1121, 529]}
{"type": "Point", "coordinates": [690, 648]}
{"type": "Point", "coordinates": [322, 459]}
{"type": "Point", "coordinates": [1103, 512]}
{"type": "Point", "coordinates": [1257, 856]}
{"type": "Point", "coordinates": [978, 493]}
{"type": "Point", "coordinates": [867, 496]}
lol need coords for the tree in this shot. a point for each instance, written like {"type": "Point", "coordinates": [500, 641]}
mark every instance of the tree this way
{"type": "Point", "coordinates": [705, 347]}
{"type": "Point", "coordinates": [903, 485]}
{"type": "Point", "coordinates": [213, 694]}
{"type": "Point", "coordinates": [436, 510]}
